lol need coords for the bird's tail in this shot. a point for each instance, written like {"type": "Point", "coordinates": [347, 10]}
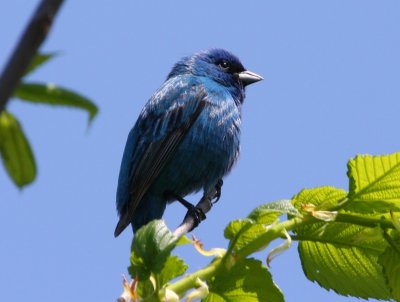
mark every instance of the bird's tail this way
{"type": "Point", "coordinates": [123, 222]}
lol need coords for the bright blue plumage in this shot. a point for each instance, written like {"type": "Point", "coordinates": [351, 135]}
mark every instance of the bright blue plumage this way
{"type": "Point", "coordinates": [186, 137]}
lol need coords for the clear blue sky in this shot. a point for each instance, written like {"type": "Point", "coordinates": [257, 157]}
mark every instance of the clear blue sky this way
{"type": "Point", "coordinates": [331, 90]}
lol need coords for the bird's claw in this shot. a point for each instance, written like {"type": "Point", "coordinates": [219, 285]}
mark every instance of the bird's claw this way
{"type": "Point", "coordinates": [218, 189]}
{"type": "Point", "coordinates": [197, 214]}
{"type": "Point", "coordinates": [193, 211]}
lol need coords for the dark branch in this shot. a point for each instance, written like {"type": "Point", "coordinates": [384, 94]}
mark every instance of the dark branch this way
{"type": "Point", "coordinates": [33, 36]}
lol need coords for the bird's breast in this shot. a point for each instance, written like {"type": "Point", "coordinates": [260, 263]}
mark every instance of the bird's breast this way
{"type": "Point", "coordinates": [209, 150]}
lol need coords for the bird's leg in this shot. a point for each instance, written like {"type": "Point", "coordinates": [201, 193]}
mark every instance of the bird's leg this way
{"type": "Point", "coordinates": [182, 201]}
{"type": "Point", "coordinates": [197, 213]}
{"type": "Point", "coordinates": [218, 190]}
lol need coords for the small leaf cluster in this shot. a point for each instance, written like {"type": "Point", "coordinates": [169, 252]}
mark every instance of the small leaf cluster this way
{"type": "Point", "coordinates": [151, 260]}
{"type": "Point", "coordinates": [15, 150]}
{"type": "Point", "coordinates": [349, 242]}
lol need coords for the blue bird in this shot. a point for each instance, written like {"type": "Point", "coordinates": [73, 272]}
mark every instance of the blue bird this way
{"type": "Point", "coordinates": [186, 137]}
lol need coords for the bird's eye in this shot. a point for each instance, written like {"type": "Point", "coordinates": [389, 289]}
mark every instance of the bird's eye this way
{"type": "Point", "coordinates": [224, 65]}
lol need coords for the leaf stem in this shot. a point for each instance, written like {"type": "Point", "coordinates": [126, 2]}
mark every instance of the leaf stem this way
{"type": "Point", "coordinates": [273, 233]}
{"type": "Point", "coordinates": [181, 286]}
{"type": "Point", "coordinates": [365, 220]}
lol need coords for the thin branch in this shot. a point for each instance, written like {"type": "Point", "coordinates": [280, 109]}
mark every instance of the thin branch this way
{"type": "Point", "coordinates": [181, 286]}
{"type": "Point", "coordinates": [190, 222]}
{"type": "Point", "coordinates": [33, 36]}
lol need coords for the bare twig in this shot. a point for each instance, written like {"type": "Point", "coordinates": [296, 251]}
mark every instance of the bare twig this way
{"type": "Point", "coordinates": [189, 222]}
{"type": "Point", "coordinates": [33, 36]}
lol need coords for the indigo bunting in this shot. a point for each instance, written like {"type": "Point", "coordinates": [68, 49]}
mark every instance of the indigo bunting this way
{"type": "Point", "coordinates": [186, 137]}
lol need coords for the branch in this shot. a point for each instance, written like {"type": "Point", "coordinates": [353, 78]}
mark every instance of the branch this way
{"type": "Point", "coordinates": [190, 222]}
{"type": "Point", "coordinates": [181, 286]}
{"type": "Point", "coordinates": [33, 36]}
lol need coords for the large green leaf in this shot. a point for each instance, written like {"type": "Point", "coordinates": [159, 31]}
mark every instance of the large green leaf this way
{"type": "Point", "coordinates": [150, 249]}
{"type": "Point", "coordinates": [54, 95]}
{"type": "Point", "coordinates": [38, 60]}
{"type": "Point", "coordinates": [15, 151]}
{"type": "Point", "coordinates": [345, 269]}
{"type": "Point", "coordinates": [374, 183]}
{"type": "Point", "coordinates": [344, 235]}
{"type": "Point", "coordinates": [390, 261]}
{"type": "Point", "coordinates": [247, 281]}
{"type": "Point", "coordinates": [340, 256]}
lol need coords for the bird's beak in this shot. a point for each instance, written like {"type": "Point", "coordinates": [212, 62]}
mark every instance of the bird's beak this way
{"type": "Point", "coordinates": [247, 77]}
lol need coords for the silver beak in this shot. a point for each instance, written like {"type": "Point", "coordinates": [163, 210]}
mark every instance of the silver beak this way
{"type": "Point", "coordinates": [247, 77]}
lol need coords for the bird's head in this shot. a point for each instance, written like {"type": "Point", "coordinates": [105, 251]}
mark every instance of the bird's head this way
{"type": "Point", "coordinates": [217, 64]}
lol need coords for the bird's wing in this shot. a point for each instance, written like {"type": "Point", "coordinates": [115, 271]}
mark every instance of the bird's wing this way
{"type": "Point", "coordinates": [162, 126]}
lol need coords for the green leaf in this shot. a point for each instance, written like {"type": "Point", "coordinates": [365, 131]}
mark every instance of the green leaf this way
{"type": "Point", "coordinates": [323, 198]}
{"type": "Point", "coordinates": [173, 267]}
{"type": "Point", "coordinates": [15, 151]}
{"type": "Point", "coordinates": [345, 269]}
{"type": "Point", "coordinates": [38, 60]}
{"type": "Point", "coordinates": [268, 213]}
{"type": "Point", "coordinates": [340, 256]}
{"type": "Point", "coordinates": [344, 235]}
{"type": "Point", "coordinates": [150, 249]}
{"type": "Point", "coordinates": [145, 289]}
{"type": "Point", "coordinates": [374, 183]}
{"type": "Point", "coordinates": [243, 231]}
{"type": "Point", "coordinates": [236, 226]}
{"type": "Point", "coordinates": [53, 95]}
{"type": "Point", "coordinates": [247, 281]}
{"type": "Point", "coordinates": [390, 261]}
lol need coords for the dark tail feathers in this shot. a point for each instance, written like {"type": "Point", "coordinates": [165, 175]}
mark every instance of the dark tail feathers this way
{"type": "Point", "coordinates": [122, 224]}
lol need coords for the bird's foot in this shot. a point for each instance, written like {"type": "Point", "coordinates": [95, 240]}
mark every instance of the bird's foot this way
{"type": "Point", "coordinates": [195, 212]}
{"type": "Point", "coordinates": [218, 189]}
